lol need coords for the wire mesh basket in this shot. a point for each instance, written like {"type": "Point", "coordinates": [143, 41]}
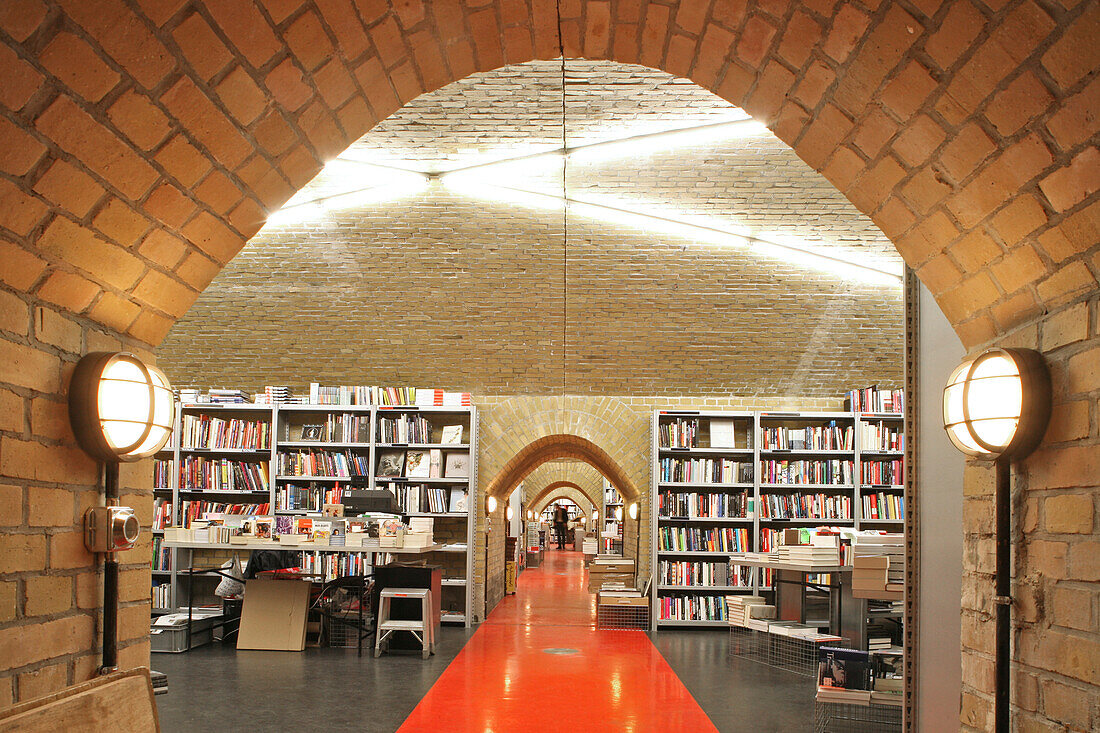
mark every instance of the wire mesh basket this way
{"type": "Point", "coordinates": [617, 616]}
{"type": "Point", "coordinates": [837, 717]}
{"type": "Point", "coordinates": [748, 643]}
{"type": "Point", "coordinates": [798, 655]}
{"type": "Point", "coordinates": [341, 619]}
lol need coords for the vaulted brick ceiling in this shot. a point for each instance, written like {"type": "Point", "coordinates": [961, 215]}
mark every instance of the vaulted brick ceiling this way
{"type": "Point", "coordinates": [464, 288]}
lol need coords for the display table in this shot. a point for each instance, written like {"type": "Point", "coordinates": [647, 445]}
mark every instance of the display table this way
{"type": "Point", "coordinates": [791, 585]}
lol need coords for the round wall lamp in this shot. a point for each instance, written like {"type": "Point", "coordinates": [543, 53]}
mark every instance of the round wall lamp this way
{"type": "Point", "coordinates": [491, 504]}
{"type": "Point", "coordinates": [530, 515]}
{"type": "Point", "coordinates": [996, 406]}
{"type": "Point", "coordinates": [634, 510]}
{"type": "Point", "coordinates": [510, 513]}
{"type": "Point", "coordinates": [619, 513]}
{"type": "Point", "coordinates": [121, 409]}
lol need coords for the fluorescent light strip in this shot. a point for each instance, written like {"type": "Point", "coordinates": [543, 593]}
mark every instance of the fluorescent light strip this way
{"type": "Point", "coordinates": [746, 126]}
{"type": "Point", "coordinates": [675, 227]}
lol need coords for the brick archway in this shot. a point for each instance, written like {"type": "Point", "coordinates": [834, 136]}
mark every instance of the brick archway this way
{"type": "Point", "coordinates": [145, 148]}
{"type": "Point", "coordinates": [553, 491]}
{"type": "Point", "coordinates": [554, 447]}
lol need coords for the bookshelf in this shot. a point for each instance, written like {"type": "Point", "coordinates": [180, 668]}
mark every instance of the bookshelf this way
{"type": "Point", "coordinates": [611, 520]}
{"type": "Point", "coordinates": [728, 481]}
{"type": "Point", "coordinates": [291, 459]}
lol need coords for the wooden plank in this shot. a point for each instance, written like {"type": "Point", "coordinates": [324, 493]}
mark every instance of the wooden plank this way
{"type": "Point", "coordinates": [114, 702]}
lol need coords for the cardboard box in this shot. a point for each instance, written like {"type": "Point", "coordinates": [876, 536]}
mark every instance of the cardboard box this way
{"type": "Point", "coordinates": [274, 615]}
{"type": "Point", "coordinates": [603, 600]}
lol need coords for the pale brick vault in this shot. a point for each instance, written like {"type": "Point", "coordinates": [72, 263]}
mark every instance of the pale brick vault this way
{"type": "Point", "coordinates": [146, 142]}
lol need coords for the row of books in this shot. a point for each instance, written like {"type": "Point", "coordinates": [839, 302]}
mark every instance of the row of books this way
{"type": "Point", "coordinates": [198, 473]}
{"type": "Point", "coordinates": [204, 431]}
{"type": "Point", "coordinates": [162, 513]}
{"type": "Point", "coordinates": [163, 470]}
{"type": "Point", "coordinates": [333, 566]}
{"type": "Point", "coordinates": [805, 506]}
{"type": "Point", "coordinates": [705, 470]}
{"type": "Point", "coordinates": [873, 399]}
{"type": "Point", "coordinates": [699, 505]}
{"type": "Point", "coordinates": [162, 595]}
{"type": "Point", "coordinates": [414, 429]}
{"type": "Point", "coordinates": [679, 433]}
{"type": "Point", "coordinates": [330, 464]}
{"type": "Point", "coordinates": [882, 505]}
{"type": "Point", "coordinates": [430, 463]}
{"type": "Point", "coordinates": [692, 608]}
{"type": "Point", "coordinates": [386, 396]}
{"type": "Point", "coordinates": [703, 574]}
{"type": "Point", "coordinates": [696, 539]}
{"type": "Point", "coordinates": [835, 472]}
{"type": "Point", "coordinates": [883, 473]}
{"type": "Point", "coordinates": [416, 498]}
{"type": "Point", "coordinates": [162, 556]}
{"type": "Point", "coordinates": [880, 436]}
{"type": "Point", "coordinates": [831, 436]}
{"type": "Point", "coordinates": [292, 497]}
{"type": "Point", "coordinates": [191, 511]}
{"type": "Point", "coordinates": [336, 428]}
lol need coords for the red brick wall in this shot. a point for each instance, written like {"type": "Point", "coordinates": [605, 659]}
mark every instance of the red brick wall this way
{"type": "Point", "coordinates": [144, 141]}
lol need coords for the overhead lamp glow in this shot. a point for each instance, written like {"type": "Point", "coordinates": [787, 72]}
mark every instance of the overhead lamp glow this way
{"type": "Point", "coordinates": [665, 140]}
{"type": "Point", "coordinates": [998, 404]}
{"type": "Point", "coordinates": [121, 409]}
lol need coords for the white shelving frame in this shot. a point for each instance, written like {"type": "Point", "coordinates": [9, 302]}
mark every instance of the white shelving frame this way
{"type": "Point", "coordinates": [757, 488]}
{"type": "Point", "coordinates": [274, 413]}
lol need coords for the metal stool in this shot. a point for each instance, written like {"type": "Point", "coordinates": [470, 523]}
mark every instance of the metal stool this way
{"type": "Point", "coordinates": [421, 628]}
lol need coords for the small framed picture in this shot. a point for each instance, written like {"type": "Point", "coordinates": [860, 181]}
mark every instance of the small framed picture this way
{"type": "Point", "coordinates": [312, 432]}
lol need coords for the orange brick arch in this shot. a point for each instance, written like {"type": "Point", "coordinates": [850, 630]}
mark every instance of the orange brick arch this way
{"type": "Point", "coordinates": [144, 147]}
{"type": "Point", "coordinates": [554, 447]}
{"type": "Point", "coordinates": [554, 491]}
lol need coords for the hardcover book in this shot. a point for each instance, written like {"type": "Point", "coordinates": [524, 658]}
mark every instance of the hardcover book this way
{"type": "Point", "coordinates": [391, 463]}
{"type": "Point", "coordinates": [452, 434]}
{"type": "Point", "coordinates": [435, 463]}
{"type": "Point", "coordinates": [416, 464]}
{"type": "Point", "coordinates": [458, 466]}
{"type": "Point", "coordinates": [849, 669]}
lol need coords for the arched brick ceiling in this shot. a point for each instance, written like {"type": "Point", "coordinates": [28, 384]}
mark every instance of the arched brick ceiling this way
{"type": "Point", "coordinates": [553, 447]}
{"type": "Point", "coordinates": [145, 146]}
{"type": "Point", "coordinates": [719, 317]}
{"type": "Point", "coordinates": [559, 490]}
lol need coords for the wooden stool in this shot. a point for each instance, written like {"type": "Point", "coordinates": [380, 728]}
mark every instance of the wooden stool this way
{"type": "Point", "coordinates": [421, 628]}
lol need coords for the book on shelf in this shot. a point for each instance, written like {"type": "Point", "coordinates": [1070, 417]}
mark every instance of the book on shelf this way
{"type": "Point", "coordinates": [330, 464]}
{"type": "Point", "coordinates": [873, 399]}
{"type": "Point", "coordinates": [404, 429]}
{"type": "Point", "coordinates": [881, 436]}
{"type": "Point", "coordinates": [391, 463]}
{"type": "Point", "coordinates": [457, 466]}
{"type": "Point", "coordinates": [459, 500]}
{"type": "Point", "coordinates": [435, 463]}
{"type": "Point", "coordinates": [198, 473]}
{"type": "Point", "coordinates": [452, 435]}
{"type": "Point", "coordinates": [805, 506]}
{"type": "Point", "coordinates": [844, 669]}
{"type": "Point", "coordinates": [208, 432]}
{"type": "Point", "coordinates": [822, 472]}
{"type": "Point", "coordinates": [686, 607]}
{"type": "Point", "coordinates": [438, 500]}
{"type": "Point", "coordinates": [705, 470]}
{"type": "Point", "coordinates": [831, 436]}
{"type": "Point", "coordinates": [723, 433]}
{"type": "Point", "coordinates": [417, 464]}
{"type": "Point", "coordinates": [699, 505]}
{"type": "Point", "coordinates": [679, 433]}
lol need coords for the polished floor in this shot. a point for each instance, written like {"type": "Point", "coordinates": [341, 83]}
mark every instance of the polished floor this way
{"type": "Point", "coordinates": [536, 664]}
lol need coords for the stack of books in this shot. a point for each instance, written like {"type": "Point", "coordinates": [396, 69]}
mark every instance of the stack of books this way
{"type": "Point", "coordinates": [191, 396]}
{"type": "Point", "coordinates": [160, 682]}
{"type": "Point", "coordinates": [844, 676]}
{"type": "Point", "coordinates": [879, 643]}
{"type": "Point", "coordinates": [276, 395]}
{"type": "Point", "coordinates": [742, 608]}
{"type": "Point", "coordinates": [812, 555]}
{"type": "Point", "coordinates": [875, 553]}
{"type": "Point", "coordinates": [228, 396]}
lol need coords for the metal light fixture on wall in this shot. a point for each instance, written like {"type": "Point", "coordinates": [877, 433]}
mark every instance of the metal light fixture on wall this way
{"type": "Point", "coordinates": [490, 504]}
{"type": "Point", "coordinates": [996, 406]}
{"type": "Point", "coordinates": [121, 410]}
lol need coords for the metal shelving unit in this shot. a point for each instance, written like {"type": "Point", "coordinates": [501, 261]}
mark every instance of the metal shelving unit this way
{"type": "Point", "coordinates": [279, 416]}
{"type": "Point", "coordinates": [757, 488]}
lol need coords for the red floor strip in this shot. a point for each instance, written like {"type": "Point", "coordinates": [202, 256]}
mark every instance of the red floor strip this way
{"type": "Point", "coordinates": [539, 664]}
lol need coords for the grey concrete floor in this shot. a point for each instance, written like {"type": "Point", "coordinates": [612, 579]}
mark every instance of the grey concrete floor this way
{"type": "Point", "coordinates": [738, 695]}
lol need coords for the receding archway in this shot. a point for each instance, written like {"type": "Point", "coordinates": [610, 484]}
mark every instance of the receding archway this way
{"type": "Point", "coordinates": [549, 493]}
{"type": "Point", "coordinates": [553, 447]}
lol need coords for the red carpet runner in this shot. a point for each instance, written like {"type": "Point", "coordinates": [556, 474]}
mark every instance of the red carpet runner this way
{"type": "Point", "coordinates": [539, 664]}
